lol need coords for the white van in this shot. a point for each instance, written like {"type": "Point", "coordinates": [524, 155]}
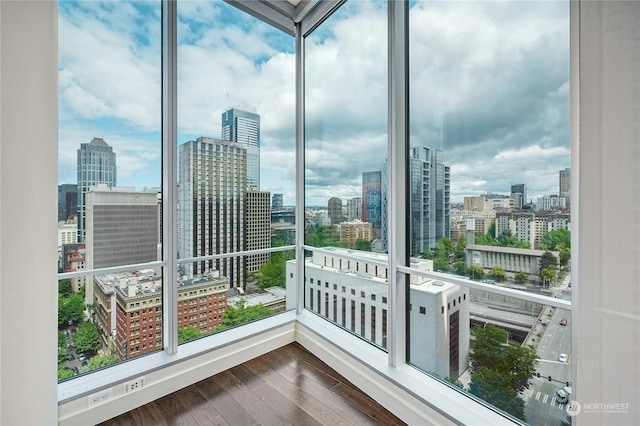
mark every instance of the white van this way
{"type": "Point", "coordinates": [563, 395]}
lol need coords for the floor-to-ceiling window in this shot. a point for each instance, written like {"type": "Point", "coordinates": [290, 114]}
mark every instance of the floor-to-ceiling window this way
{"type": "Point", "coordinates": [236, 169]}
{"type": "Point", "coordinates": [234, 187]}
{"type": "Point", "coordinates": [488, 167]}
{"type": "Point", "coordinates": [345, 151]}
{"type": "Point", "coordinates": [486, 138]}
{"type": "Point", "coordinates": [110, 196]}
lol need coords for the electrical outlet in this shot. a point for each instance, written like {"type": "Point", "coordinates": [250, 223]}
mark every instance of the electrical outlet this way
{"type": "Point", "coordinates": [134, 385]}
{"type": "Point", "coordinates": [100, 397]}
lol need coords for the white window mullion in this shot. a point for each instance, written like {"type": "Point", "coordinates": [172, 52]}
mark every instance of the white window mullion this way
{"type": "Point", "coordinates": [169, 174]}
{"type": "Point", "coordinates": [398, 104]}
{"type": "Point", "coordinates": [299, 290]}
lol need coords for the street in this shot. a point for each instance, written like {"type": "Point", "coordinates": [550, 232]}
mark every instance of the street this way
{"type": "Point", "coordinates": [541, 407]}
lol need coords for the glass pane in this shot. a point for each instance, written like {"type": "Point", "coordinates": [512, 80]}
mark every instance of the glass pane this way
{"type": "Point", "coordinates": [345, 168]}
{"type": "Point", "coordinates": [109, 194]}
{"type": "Point", "coordinates": [236, 158]}
{"type": "Point", "coordinates": [123, 322]}
{"type": "Point", "coordinates": [489, 199]}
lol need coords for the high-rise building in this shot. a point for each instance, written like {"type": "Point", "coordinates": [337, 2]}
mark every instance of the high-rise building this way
{"type": "Point", "coordinates": [96, 164]}
{"type": "Point", "coordinates": [372, 200]}
{"type": "Point", "coordinates": [564, 179]}
{"type": "Point", "coordinates": [122, 227]}
{"type": "Point", "coordinates": [354, 209]}
{"type": "Point", "coordinates": [519, 195]}
{"type": "Point", "coordinates": [258, 227]}
{"type": "Point", "coordinates": [334, 209]}
{"type": "Point", "coordinates": [430, 199]}
{"type": "Point", "coordinates": [67, 201]}
{"type": "Point", "coordinates": [243, 126]}
{"type": "Point", "coordinates": [276, 202]}
{"type": "Point", "coordinates": [212, 219]}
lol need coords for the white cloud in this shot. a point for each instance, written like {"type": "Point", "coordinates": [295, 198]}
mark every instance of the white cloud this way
{"type": "Point", "coordinates": [489, 86]}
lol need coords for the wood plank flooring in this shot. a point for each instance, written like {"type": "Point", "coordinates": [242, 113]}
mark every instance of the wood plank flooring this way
{"type": "Point", "coordinates": [288, 386]}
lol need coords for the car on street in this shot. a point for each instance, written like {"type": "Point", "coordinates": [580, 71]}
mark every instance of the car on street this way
{"type": "Point", "coordinates": [563, 395]}
{"type": "Point", "coordinates": [82, 357]}
{"type": "Point", "coordinates": [84, 363]}
{"type": "Point", "coordinates": [563, 357]}
{"type": "Point", "coordinates": [70, 357]}
{"type": "Point", "coordinates": [75, 371]}
{"type": "Point", "coordinates": [563, 321]}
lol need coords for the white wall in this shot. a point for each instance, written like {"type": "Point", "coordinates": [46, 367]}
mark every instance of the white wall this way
{"type": "Point", "coordinates": [28, 192]}
{"type": "Point", "coordinates": [606, 168]}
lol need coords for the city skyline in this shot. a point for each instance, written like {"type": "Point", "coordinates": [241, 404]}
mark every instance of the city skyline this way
{"type": "Point", "coordinates": [525, 139]}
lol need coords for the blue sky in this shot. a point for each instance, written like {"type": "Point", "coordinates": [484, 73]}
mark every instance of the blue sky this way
{"type": "Point", "coordinates": [489, 86]}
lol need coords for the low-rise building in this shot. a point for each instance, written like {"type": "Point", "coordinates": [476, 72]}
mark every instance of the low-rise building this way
{"type": "Point", "coordinates": [510, 259]}
{"type": "Point", "coordinates": [274, 298]}
{"type": "Point", "coordinates": [350, 288]}
{"type": "Point", "coordinates": [128, 308]}
{"type": "Point", "coordinates": [355, 230]}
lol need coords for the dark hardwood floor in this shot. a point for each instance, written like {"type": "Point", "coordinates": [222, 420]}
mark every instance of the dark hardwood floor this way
{"type": "Point", "coordinates": [288, 386]}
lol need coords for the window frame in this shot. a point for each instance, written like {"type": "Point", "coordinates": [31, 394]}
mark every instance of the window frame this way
{"type": "Point", "coordinates": [392, 365]}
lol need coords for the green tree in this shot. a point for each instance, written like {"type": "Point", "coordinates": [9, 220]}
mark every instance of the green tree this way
{"type": "Point", "coordinates": [565, 254]}
{"type": "Point", "coordinates": [188, 333]}
{"type": "Point", "coordinates": [62, 355]}
{"type": "Point", "coordinates": [486, 240]}
{"type": "Point", "coordinates": [70, 308]}
{"type": "Point", "coordinates": [548, 259]}
{"type": "Point", "coordinates": [491, 386]}
{"type": "Point", "coordinates": [492, 228]}
{"type": "Point", "coordinates": [64, 373]}
{"type": "Point", "coordinates": [62, 341]}
{"type": "Point", "coordinates": [460, 267]}
{"type": "Point", "coordinates": [553, 239]}
{"type": "Point", "coordinates": [521, 277]}
{"type": "Point", "coordinates": [520, 365]}
{"type": "Point", "coordinates": [312, 239]}
{"type": "Point", "coordinates": [441, 264]}
{"type": "Point", "coordinates": [322, 236]}
{"type": "Point", "coordinates": [498, 273]}
{"type": "Point", "coordinates": [475, 272]}
{"type": "Point", "coordinates": [459, 250]}
{"type": "Point", "coordinates": [506, 239]}
{"type": "Point", "coordinates": [239, 314]}
{"type": "Point", "coordinates": [87, 338]}
{"type": "Point", "coordinates": [490, 349]}
{"type": "Point", "coordinates": [500, 370]}
{"type": "Point", "coordinates": [64, 287]}
{"type": "Point", "coordinates": [428, 254]}
{"type": "Point", "coordinates": [444, 247]}
{"type": "Point", "coordinates": [547, 275]}
{"type": "Point", "coordinates": [101, 361]}
{"type": "Point", "coordinates": [363, 245]}
{"type": "Point", "coordinates": [487, 345]}
{"type": "Point", "coordinates": [273, 272]}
